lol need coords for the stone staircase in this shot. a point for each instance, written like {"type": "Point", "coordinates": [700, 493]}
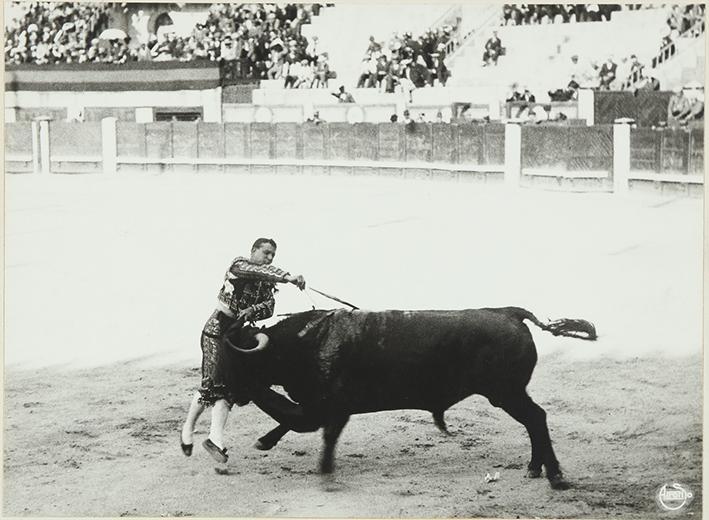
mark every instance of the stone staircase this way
{"type": "Point", "coordinates": [686, 66]}
{"type": "Point", "coordinates": [546, 65]}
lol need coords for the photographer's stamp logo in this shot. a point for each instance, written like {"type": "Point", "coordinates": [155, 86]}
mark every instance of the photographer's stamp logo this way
{"type": "Point", "coordinates": [674, 496]}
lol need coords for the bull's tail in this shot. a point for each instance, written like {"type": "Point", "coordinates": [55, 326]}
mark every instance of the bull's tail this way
{"type": "Point", "coordinates": [575, 328]}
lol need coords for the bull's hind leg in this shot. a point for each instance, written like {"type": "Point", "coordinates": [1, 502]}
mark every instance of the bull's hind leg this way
{"type": "Point", "coordinates": [331, 432]}
{"type": "Point", "coordinates": [534, 418]}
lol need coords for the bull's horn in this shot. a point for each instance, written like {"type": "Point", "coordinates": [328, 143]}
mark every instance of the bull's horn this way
{"type": "Point", "coordinates": [262, 343]}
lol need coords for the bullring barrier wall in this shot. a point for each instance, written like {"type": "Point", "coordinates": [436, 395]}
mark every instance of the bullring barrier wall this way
{"type": "Point", "coordinates": [598, 158]}
{"type": "Point", "coordinates": [646, 107]}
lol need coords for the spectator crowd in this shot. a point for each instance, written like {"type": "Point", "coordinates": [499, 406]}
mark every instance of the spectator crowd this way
{"type": "Point", "coordinates": [406, 61]}
{"type": "Point", "coordinates": [262, 41]}
{"type": "Point", "coordinates": [57, 33]}
{"type": "Point", "coordinates": [532, 14]}
{"type": "Point", "coordinates": [683, 17]}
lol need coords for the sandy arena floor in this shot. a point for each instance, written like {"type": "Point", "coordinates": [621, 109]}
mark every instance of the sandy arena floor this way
{"type": "Point", "coordinates": [109, 281]}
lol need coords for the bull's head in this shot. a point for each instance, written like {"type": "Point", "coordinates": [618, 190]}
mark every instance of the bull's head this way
{"type": "Point", "coordinates": [247, 340]}
{"type": "Point", "coordinates": [242, 367]}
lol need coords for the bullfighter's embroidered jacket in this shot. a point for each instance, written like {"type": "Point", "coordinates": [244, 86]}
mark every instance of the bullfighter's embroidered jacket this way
{"type": "Point", "coordinates": [251, 285]}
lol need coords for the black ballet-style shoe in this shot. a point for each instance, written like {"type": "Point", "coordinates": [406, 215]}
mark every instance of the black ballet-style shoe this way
{"type": "Point", "coordinates": [186, 448]}
{"type": "Point", "coordinates": [217, 454]}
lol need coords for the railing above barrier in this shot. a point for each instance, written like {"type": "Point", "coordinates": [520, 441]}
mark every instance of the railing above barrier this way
{"type": "Point", "coordinates": [553, 110]}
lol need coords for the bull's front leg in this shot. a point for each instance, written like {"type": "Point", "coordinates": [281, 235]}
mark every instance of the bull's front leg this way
{"type": "Point", "coordinates": [331, 432]}
{"type": "Point", "coordinates": [272, 438]}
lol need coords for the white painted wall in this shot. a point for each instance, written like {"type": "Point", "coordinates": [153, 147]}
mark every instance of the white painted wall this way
{"type": "Point", "coordinates": [210, 100]}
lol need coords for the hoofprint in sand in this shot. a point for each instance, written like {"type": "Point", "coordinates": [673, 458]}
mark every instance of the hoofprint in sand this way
{"type": "Point", "coordinates": [109, 281]}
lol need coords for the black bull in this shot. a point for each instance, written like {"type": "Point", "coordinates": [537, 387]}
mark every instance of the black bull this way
{"type": "Point", "coordinates": [339, 363]}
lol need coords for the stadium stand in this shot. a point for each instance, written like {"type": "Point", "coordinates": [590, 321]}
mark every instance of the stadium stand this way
{"type": "Point", "coordinates": [531, 14]}
{"type": "Point", "coordinates": [47, 33]}
{"type": "Point", "coordinates": [256, 41]}
{"type": "Point", "coordinates": [425, 59]}
{"type": "Point", "coordinates": [406, 58]}
{"type": "Point", "coordinates": [684, 25]}
{"type": "Point", "coordinates": [627, 33]}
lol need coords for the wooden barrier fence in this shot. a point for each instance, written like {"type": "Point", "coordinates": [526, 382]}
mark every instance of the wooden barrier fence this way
{"type": "Point", "coordinates": [581, 158]}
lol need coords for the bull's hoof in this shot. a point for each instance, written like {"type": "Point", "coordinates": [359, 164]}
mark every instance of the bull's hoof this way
{"type": "Point", "coordinates": [330, 484]}
{"type": "Point", "coordinates": [534, 473]}
{"type": "Point", "coordinates": [263, 446]}
{"type": "Point", "coordinates": [557, 482]}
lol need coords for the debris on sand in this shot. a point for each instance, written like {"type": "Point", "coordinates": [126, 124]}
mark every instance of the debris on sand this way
{"type": "Point", "coordinates": [492, 478]}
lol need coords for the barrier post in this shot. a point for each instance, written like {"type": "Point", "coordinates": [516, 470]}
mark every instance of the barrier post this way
{"type": "Point", "coordinates": [212, 105]}
{"type": "Point", "coordinates": [621, 157]}
{"type": "Point", "coordinates": [513, 154]}
{"type": "Point", "coordinates": [44, 146]}
{"type": "Point", "coordinates": [108, 144]}
{"type": "Point", "coordinates": [35, 147]}
{"type": "Point", "coordinates": [585, 104]}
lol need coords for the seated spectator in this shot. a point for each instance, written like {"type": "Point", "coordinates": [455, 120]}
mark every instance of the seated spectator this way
{"type": "Point", "coordinates": [678, 107]}
{"type": "Point", "coordinates": [493, 50]}
{"type": "Point", "coordinates": [227, 57]}
{"type": "Point", "coordinates": [291, 72]}
{"type": "Point", "coordinates": [407, 85]}
{"type": "Point", "coordinates": [694, 94]}
{"type": "Point", "coordinates": [648, 83]}
{"type": "Point", "coordinates": [527, 99]}
{"type": "Point", "coordinates": [439, 64]}
{"type": "Point", "coordinates": [306, 75]}
{"type": "Point", "coordinates": [418, 73]}
{"type": "Point", "coordinates": [652, 83]}
{"type": "Point", "coordinates": [514, 94]}
{"type": "Point", "coordinates": [567, 94]}
{"type": "Point", "coordinates": [392, 79]}
{"type": "Point", "coordinates": [694, 14]}
{"type": "Point", "coordinates": [368, 73]}
{"type": "Point", "coordinates": [635, 65]}
{"type": "Point", "coordinates": [522, 98]}
{"type": "Point", "coordinates": [322, 72]}
{"type": "Point", "coordinates": [676, 18]}
{"type": "Point", "coordinates": [407, 118]}
{"type": "Point", "coordinates": [343, 96]}
{"type": "Point", "coordinates": [607, 74]}
{"type": "Point", "coordinates": [374, 46]}
{"type": "Point", "coordinates": [511, 15]}
{"type": "Point", "coordinates": [312, 49]}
